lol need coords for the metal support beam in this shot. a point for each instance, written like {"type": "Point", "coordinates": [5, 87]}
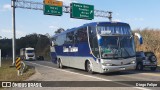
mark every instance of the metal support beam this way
{"type": "Point", "coordinates": [0, 59]}
{"type": "Point", "coordinates": [66, 9]}
{"type": "Point", "coordinates": [14, 33]}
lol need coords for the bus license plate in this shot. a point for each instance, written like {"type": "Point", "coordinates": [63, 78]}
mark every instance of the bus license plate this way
{"type": "Point", "coordinates": [122, 68]}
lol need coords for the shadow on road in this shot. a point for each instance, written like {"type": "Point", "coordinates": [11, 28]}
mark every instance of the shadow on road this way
{"type": "Point", "coordinates": [118, 72]}
{"type": "Point", "coordinates": [107, 74]}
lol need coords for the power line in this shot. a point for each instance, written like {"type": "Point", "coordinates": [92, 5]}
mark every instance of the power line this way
{"type": "Point", "coordinates": [26, 4]}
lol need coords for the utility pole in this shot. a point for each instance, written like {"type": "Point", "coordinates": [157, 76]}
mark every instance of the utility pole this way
{"type": "Point", "coordinates": [14, 33]}
{"type": "Point", "coordinates": [0, 59]}
{"type": "Point", "coordinates": [0, 54]}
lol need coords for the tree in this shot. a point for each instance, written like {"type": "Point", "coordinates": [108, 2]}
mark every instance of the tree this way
{"type": "Point", "coordinates": [37, 41]}
{"type": "Point", "coordinates": [60, 30]}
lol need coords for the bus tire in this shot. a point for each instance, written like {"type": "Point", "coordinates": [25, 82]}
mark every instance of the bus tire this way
{"type": "Point", "coordinates": [59, 63]}
{"type": "Point", "coordinates": [89, 67]}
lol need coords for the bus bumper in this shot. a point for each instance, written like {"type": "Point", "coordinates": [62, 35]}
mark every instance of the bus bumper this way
{"type": "Point", "coordinates": [106, 69]}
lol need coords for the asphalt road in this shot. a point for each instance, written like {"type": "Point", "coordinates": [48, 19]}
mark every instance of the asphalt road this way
{"type": "Point", "coordinates": [47, 71]}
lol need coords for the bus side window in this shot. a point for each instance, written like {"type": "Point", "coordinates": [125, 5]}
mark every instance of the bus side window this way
{"type": "Point", "coordinates": [82, 35]}
{"type": "Point", "coordinates": [75, 36]}
{"type": "Point", "coordinates": [70, 38]}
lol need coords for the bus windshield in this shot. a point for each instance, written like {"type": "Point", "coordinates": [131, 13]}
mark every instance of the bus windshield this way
{"type": "Point", "coordinates": [30, 51]}
{"type": "Point", "coordinates": [114, 47]}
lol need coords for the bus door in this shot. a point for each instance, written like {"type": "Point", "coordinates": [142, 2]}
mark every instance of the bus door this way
{"type": "Point", "coordinates": [53, 54]}
{"type": "Point", "coordinates": [80, 47]}
{"type": "Point", "coordinates": [70, 46]}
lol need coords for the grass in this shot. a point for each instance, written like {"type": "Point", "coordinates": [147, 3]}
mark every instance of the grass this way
{"type": "Point", "coordinates": [8, 73]}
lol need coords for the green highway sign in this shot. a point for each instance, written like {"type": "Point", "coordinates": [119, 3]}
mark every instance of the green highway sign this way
{"type": "Point", "coordinates": [82, 11]}
{"type": "Point", "coordinates": [52, 10]}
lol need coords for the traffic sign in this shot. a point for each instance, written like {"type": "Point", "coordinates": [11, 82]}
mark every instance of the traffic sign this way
{"type": "Point", "coordinates": [52, 10]}
{"type": "Point", "coordinates": [18, 63]}
{"type": "Point", "coordinates": [82, 11]}
{"type": "Point", "coordinates": [53, 2]}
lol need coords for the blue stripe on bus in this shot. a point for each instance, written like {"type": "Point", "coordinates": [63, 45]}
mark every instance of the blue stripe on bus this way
{"type": "Point", "coordinates": [83, 51]}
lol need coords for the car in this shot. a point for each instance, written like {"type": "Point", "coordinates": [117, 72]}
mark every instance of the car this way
{"type": "Point", "coordinates": [146, 60]}
{"type": "Point", "coordinates": [40, 58]}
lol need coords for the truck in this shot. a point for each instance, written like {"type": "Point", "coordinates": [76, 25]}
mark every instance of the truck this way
{"type": "Point", "coordinates": [27, 53]}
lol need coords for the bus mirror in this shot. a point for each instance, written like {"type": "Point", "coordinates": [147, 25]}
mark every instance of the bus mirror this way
{"type": "Point", "coordinates": [52, 43]}
{"type": "Point", "coordinates": [139, 37]}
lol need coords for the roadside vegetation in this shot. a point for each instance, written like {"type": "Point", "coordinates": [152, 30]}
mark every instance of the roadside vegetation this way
{"type": "Point", "coordinates": [8, 73]}
{"type": "Point", "coordinates": [38, 41]}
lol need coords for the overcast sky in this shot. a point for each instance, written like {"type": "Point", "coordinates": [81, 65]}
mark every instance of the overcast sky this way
{"type": "Point", "coordinates": [138, 13]}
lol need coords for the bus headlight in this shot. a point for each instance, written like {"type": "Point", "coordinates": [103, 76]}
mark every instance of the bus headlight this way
{"type": "Point", "coordinates": [106, 64]}
{"type": "Point", "coordinates": [133, 62]}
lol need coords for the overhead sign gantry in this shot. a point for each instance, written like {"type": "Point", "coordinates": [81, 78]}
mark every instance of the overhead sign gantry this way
{"type": "Point", "coordinates": [56, 8]}
{"type": "Point", "coordinates": [27, 4]}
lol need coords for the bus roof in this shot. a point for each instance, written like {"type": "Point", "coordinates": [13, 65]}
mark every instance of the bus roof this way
{"type": "Point", "coordinates": [94, 24]}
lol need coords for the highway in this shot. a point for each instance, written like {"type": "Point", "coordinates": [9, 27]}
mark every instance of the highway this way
{"type": "Point", "coordinates": [47, 71]}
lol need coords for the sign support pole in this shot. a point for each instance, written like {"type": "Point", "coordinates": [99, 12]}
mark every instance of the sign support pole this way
{"type": "Point", "coordinates": [0, 59]}
{"type": "Point", "coordinates": [14, 33]}
{"type": "Point", "coordinates": [18, 72]}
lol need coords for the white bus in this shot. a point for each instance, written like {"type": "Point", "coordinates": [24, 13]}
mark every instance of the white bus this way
{"type": "Point", "coordinates": [95, 47]}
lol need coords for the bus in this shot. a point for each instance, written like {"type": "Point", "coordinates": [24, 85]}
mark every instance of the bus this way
{"type": "Point", "coordinates": [95, 47]}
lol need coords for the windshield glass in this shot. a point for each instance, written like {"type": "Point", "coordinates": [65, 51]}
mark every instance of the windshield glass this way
{"type": "Point", "coordinates": [30, 51]}
{"type": "Point", "coordinates": [117, 47]}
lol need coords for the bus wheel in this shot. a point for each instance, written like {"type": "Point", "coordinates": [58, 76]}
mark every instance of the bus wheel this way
{"type": "Point", "coordinates": [59, 63]}
{"type": "Point", "coordinates": [89, 67]}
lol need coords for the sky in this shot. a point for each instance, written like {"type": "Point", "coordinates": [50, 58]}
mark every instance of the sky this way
{"type": "Point", "coordinates": [138, 13]}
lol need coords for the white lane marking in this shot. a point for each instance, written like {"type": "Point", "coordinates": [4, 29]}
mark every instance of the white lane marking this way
{"type": "Point", "coordinates": [88, 76]}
